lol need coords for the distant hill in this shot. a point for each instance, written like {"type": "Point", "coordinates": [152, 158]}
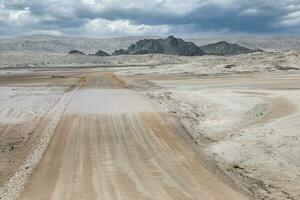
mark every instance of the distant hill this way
{"type": "Point", "coordinates": [175, 46]}
{"type": "Point", "coordinates": [62, 44]}
{"type": "Point", "coordinates": [170, 45]}
{"type": "Point", "coordinates": [267, 43]}
{"type": "Point", "coordinates": [224, 49]}
{"type": "Point", "coordinates": [101, 53]}
{"type": "Point", "coordinates": [120, 52]}
{"type": "Point", "coordinates": [76, 52]}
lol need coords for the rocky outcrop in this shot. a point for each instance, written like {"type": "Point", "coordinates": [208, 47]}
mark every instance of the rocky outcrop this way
{"type": "Point", "coordinates": [120, 52]}
{"type": "Point", "coordinates": [176, 46]}
{"type": "Point", "coordinates": [76, 52]}
{"type": "Point", "coordinates": [224, 48]}
{"type": "Point", "coordinates": [170, 45]}
{"type": "Point", "coordinates": [101, 53]}
{"type": "Point", "coordinates": [146, 46]}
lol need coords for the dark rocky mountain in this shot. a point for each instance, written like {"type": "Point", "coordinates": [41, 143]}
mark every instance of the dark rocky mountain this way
{"type": "Point", "coordinates": [170, 45]}
{"type": "Point", "coordinates": [146, 46]}
{"type": "Point", "coordinates": [76, 52]}
{"type": "Point", "coordinates": [120, 52]}
{"type": "Point", "coordinates": [224, 48]}
{"type": "Point", "coordinates": [101, 53]}
{"type": "Point", "coordinates": [176, 46]}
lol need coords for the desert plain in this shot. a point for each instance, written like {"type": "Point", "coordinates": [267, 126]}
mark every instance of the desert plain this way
{"type": "Point", "coordinates": [149, 126]}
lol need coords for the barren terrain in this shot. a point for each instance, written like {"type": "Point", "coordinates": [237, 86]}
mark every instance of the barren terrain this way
{"type": "Point", "coordinates": [248, 124]}
{"type": "Point", "coordinates": [62, 44]}
{"type": "Point", "coordinates": [149, 127]}
{"type": "Point", "coordinates": [113, 143]}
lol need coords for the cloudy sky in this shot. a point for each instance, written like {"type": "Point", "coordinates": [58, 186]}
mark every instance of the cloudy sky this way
{"type": "Point", "coordinates": [111, 18]}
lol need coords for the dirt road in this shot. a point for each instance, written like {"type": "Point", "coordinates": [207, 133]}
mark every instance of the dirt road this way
{"type": "Point", "coordinates": [113, 143]}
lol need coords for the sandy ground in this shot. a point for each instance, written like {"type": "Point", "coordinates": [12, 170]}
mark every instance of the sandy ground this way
{"type": "Point", "coordinates": [157, 63]}
{"type": "Point", "coordinates": [23, 60]}
{"type": "Point", "coordinates": [30, 106]}
{"type": "Point", "coordinates": [113, 143]}
{"type": "Point", "coordinates": [248, 123]}
{"type": "Point", "coordinates": [216, 127]}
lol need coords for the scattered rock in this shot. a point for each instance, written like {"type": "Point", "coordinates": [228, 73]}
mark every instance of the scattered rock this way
{"type": "Point", "coordinates": [229, 66]}
{"type": "Point", "coordinates": [236, 166]}
{"type": "Point", "coordinates": [57, 76]}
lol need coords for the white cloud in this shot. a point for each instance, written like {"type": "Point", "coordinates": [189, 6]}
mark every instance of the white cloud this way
{"type": "Point", "coordinates": [102, 5]}
{"type": "Point", "coordinates": [102, 27]}
{"type": "Point", "coordinates": [46, 32]}
{"type": "Point", "coordinates": [16, 18]}
{"type": "Point", "coordinates": [291, 19]}
{"type": "Point", "coordinates": [250, 12]}
{"type": "Point", "coordinates": [3, 13]}
{"type": "Point", "coordinates": [20, 17]}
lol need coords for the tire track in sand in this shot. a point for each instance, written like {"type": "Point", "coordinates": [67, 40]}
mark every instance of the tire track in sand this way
{"type": "Point", "coordinates": [112, 143]}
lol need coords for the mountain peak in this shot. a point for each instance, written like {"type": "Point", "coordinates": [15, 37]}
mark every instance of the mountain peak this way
{"type": "Point", "coordinates": [101, 53]}
{"type": "Point", "coordinates": [171, 37]}
{"type": "Point", "coordinates": [170, 45]}
{"type": "Point", "coordinates": [222, 43]}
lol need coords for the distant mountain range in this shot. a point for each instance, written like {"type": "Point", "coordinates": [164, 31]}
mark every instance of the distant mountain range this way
{"type": "Point", "coordinates": [62, 44]}
{"type": "Point", "coordinates": [176, 46]}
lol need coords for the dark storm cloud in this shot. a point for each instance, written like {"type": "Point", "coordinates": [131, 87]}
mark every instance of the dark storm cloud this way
{"type": "Point", "coordinates": [195, 16]}
{"type": "Point", "coordinates": [255, 17]}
